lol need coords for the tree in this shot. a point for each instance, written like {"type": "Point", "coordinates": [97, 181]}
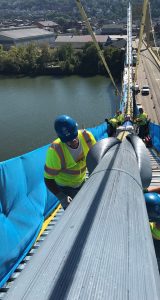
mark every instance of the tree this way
{"type": "Point", "coordinates": [31, 57]}
{"type": "Point", "coordinates": [89, 63]}
{"type": "Point", "coordinates": [45, 57]}
{"type": "Point", "coordinates": [115, 60]}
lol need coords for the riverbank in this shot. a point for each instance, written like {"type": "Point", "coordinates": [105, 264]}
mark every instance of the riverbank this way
{"type": "Point", "coordinates": [31, 60]}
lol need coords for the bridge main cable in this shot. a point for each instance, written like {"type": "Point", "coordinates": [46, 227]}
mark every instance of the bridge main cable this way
{"type": "Point", "coordinates": [102, 248]}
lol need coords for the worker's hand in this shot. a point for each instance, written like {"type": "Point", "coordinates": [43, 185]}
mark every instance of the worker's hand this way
{"type": "Point", "coordinates": [69, 199]}
{"type": "Point", "coordinates": [64, 199]}
{"type": "Point", "coordinates": [138, 120]}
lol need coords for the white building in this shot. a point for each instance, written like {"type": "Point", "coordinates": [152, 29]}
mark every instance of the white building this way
{"type": "Point", "coordinates": [25, 35]}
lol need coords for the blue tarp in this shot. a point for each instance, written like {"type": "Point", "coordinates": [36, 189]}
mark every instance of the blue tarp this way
{"type": "Point", "coordinates": [155, 135]}
{"type": "Point", "coordinates": [100, 131]}
{"type": "Point", "coordinates": [24, 204]}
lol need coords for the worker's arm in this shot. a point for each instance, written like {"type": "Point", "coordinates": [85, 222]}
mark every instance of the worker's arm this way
{"type": "Point", "coordinates": [153, 189]}
{"type": "Point", "coordinates": [52, 186]}
{"type": "Point", "coordinates": [52, 169]}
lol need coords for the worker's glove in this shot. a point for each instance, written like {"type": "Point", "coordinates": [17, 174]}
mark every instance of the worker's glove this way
{"type": "Point", "coordinates": [64, 199]}
{"type": "Point", "coordinates": [69, 199]}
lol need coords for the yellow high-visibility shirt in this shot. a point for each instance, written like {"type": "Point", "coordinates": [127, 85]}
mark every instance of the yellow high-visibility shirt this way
{"type": "Point", "coordinates": [120, 118]}
{"type": "Point", "coordinates": [114, 122]}
{"type": "Point", "coordinates": [155, 231]}
{"type": "Point", "coordinates": [142, 119]}
{"type": "Point", "coordinates": [61, 166]}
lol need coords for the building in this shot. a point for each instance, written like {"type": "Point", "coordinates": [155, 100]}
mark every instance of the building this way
{"type": "Point", "coordinates": [117, 41]}
{"type": "Point", "coordinates": [113, 29]}
{"type": "Point", "coordinates": [119, 44]}
{"type": "Point", "coordinates": [25, 35]}
{"type": "Point", "coordinates": [47, 25]}
{"type": "Point", "coordinates": [78, 41]}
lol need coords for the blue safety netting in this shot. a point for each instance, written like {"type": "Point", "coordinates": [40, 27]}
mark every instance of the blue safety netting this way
{"type": "Point", "coordinates": [24, 204]}
{"type": "Point", "coordinates": [100, 131]}
{"type": "Point", "coordinates": [155, 135]}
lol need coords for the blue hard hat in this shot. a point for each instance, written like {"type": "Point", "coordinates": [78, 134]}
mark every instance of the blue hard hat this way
{"type": "Point", "coordinates": [153, 206]}
{"type": "Point", "coordinates": [66, 128]}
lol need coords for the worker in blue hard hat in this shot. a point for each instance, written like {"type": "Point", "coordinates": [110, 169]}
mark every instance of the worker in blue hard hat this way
{"type": "Point", "coordinates": [152, 198]}
{"type": "Point", "coordinates": [65, 168]}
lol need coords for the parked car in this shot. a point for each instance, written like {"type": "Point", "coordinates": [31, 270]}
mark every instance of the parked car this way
{"type": "Point", "coordinates": [136, 88]}
{"type": "Point", "coordinates": [145, 90]}
{"type": "Point", "coordinates": [138, 106]}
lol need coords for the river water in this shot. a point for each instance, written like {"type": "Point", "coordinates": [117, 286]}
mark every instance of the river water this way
{"type": "Point", "coordinates": [28, 107]}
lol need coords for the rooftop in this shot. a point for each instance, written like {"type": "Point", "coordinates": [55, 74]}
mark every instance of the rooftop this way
{"type": "Point", "coordinates": [118, 37]}
{"type": "Point", "coordinates": [107, 26]}
{"type": "Point", "coordinates": [47, 23]}
{"type": "Point", "coordinates": [80, 38]}
{"type": "Point", "coordinates": [24, 33]}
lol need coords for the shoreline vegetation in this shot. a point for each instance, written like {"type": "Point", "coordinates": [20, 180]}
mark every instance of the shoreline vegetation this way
{"type": "Point", "coordinates": [33, 60]}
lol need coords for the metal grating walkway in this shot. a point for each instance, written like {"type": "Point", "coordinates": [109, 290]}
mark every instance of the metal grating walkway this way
{"type": "Point", "coordinates": [22, 265]}
{"type": "Point", "coordinates": [155, 161]}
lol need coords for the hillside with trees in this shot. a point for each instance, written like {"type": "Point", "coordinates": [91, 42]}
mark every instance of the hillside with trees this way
{"type": "Point", "coordinates": [102, 9]}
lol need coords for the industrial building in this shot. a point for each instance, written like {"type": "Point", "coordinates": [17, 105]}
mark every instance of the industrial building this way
{"type": "Point", "coordinates": [48, 25]}
{"type": "Point", "coordinates": [25, 35]}
{"type": "Point", "coordinates": [78, 41]}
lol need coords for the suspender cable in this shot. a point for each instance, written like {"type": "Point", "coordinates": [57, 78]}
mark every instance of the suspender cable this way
{"type": "Point", "coordinates": [144, 11]}
{"type": "Point", "coordinates": [84, 17]}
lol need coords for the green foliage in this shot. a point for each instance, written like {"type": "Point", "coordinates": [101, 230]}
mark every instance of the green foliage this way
{"type": "Point", "coordinates": [33, 60]}
{"type": "Point", "coordinates": [45, 56]}
{"type": "Point", "coordinates": [89, 60]}
{"type": "Point", "coordinates": [115, 60]}
{"type": "Point", "coordinates": [64, 52]}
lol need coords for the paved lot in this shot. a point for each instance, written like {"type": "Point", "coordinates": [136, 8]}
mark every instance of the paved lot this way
{"type": "Point", "coordinates": [149, 74]}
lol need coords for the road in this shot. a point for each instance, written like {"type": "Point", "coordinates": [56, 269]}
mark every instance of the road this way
{"type": "Point", "coordinates": [149, 74]}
